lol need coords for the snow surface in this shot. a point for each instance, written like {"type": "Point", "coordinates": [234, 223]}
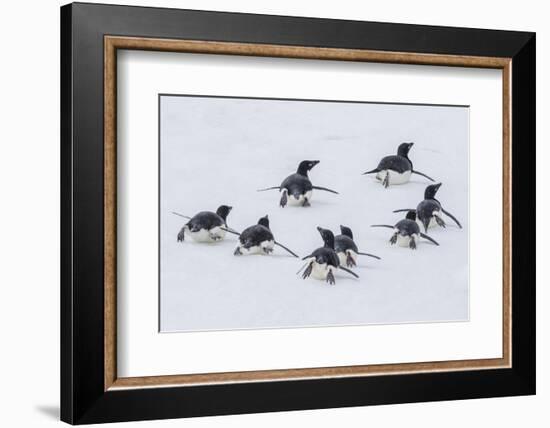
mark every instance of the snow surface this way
{"type": "Point", "coordinates": [217, 151]}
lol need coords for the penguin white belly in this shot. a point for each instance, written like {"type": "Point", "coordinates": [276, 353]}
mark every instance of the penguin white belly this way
{"type": "Point", "coordinates": [343, 256]}
{"type": "Point", "coordinates": [213, 235]}
{"type": "Point", "coordinates": [300, 200]}
{"type": "Point", "coordinates": [320, 271]}
{"type": "Point", "coordinates": [395, 177]}
{"type": "Point", "coordinates": [404, 241]}
{"type": "Point", "coordinates": [432, 223]}
{"type": "Point", "coordinates": [264, 248]}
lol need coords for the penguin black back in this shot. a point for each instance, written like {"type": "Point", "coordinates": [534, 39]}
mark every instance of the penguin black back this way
{"type": "Point", "coordinates": [345, 242]}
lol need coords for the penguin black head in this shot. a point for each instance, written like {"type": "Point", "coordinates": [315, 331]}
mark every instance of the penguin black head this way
{"type": "Point", "coordinates": [223, 211]}
{"type": "Point", "coordinates": [264, 221]}
{"type": "Point", "coordinates": [411, 215]}
{"type": "Point", "coordinates": [327, 236]}
{"type": "Point", "coordinates": [306, 166]}
{"type": "Point", "coordinates": [403, 149]}
{"type": "Point", "coordinates": [431, 190]}
{"type": "Point", "coordinates": [346, 231]}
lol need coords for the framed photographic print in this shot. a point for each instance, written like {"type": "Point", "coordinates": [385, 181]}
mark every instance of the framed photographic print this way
{"type": "Point", "coordinates": [265, 213]}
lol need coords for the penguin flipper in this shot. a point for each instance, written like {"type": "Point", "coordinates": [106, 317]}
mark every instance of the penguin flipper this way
{"type": "Point", "coordinates": [228, 229]}
{"type": "Point", "coordinates": [429, 238]}
{"type": "Point", "coordinates": [369, 255]}
{"type": "Point", "coordinates": [382, 225]}
{"type": "Point", "coordinates": [325, 189]}
{"type": "Point", "coordinates": [269, 188]}
{"type": "Point", "coordinates": [371, 171]}
{"type": "Point", "coordinates": [348, 271]}
{"type": "Point", "coordinates": [181, 215]}
{"type": "Point", "coordinates": [448, 214]}
{"type": "Point", "coordinates": [285, 248]}
{"type": "Point", "coordinates": [423, 175]}
{"type": "Point", "coordinates": [403, 210]}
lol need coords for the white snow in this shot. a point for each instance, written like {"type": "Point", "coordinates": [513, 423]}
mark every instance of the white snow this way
{"type": "Point", "coordinates": [220, 151]}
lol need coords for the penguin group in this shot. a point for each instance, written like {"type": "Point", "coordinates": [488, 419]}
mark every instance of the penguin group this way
{"type": "Point", "coordinates": [337, 253]}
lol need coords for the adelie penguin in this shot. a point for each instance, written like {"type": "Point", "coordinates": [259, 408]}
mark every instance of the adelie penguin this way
{"type": "Point", "coordinates": [396, 169]}
{"type": "Point", "coordinates": [406, 232]}
{"type": "Point", "coordinates": [206, 226]}
{"type": "Point", "coordinates": [429, 211]}
{"type": "Point", "coordinates": [258, 239]}
{"type": "Point", "coordinates": [346, 248]}
{"type": "Point", "coordinates": [297, 188]}
{"type": "Point", "coordinates": [322, 263]}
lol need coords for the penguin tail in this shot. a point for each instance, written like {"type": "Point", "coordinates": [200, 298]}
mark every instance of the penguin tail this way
{"type": "Point", "coordinates": [426, 223]}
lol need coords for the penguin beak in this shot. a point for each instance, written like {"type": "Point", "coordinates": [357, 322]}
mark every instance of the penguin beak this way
{"type": "Point", "coordinates": [229, 208]}
{"type": "Point", "coordinates": [315, 162]}
{"type": "Point", "coordinates": [320, 229]}
{"type": "Point", "coordinates": [410, 145]}
{"type": "Point", "coordinates": [438, 185]}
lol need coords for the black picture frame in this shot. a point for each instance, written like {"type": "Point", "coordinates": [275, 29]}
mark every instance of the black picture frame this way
{"type": "Point", "coordinates": [83, 398]}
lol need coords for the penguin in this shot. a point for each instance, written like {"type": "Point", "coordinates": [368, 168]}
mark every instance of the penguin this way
{"type": "Point", "coordinates": [206, 226]}
{"type": "Point", "coordinates": [406, 232]}
{"type": "Point", "coordinates": [428, 212]}
{"type": "Point", "coordinates": [322, 263]}
{"type": "Point", "coordinates": [258, 239]}
{"type": "Point", "coordinates": [297, 188]}
{"type": "Point", "coordinates": [396, 169]}
{"type": "Point", "coordinates": [346, 248]}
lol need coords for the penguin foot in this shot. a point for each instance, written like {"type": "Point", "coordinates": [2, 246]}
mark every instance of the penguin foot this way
{"type": "Point", "coordinates": [350, 262]}
{"type": "Point", "coordinates": [308, 271]}
{"type": "Point", "coordinates": [439, 221]}
{"type": "Point", "coordinates": [283, 200]}
{"type": "Point", "coordinates": [215, 237]}
{"type": "Point", "coordinates": [412, 244]}
{"type": "Point", "coordinates": [330, 278]}
{"type": "Point", "coordinates": [267, 250]}
{"type": "Point", "coordinates": [393, 239]}
{"type": "Point", "coordinates": [306, 203]}
{"type": "Point", "coordinates": [237, 252]}
{"type": "Point", "coordinates": [386, 181]}
{"type": "Point", "coordinates": [181, 235]}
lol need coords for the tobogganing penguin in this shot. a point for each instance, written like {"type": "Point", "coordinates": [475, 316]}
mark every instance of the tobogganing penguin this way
{"type": "Point", "coordinates": [297, 188]}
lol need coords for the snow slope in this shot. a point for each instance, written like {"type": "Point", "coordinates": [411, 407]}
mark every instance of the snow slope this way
{"type": "Point", "coordinates": [221, 150]}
